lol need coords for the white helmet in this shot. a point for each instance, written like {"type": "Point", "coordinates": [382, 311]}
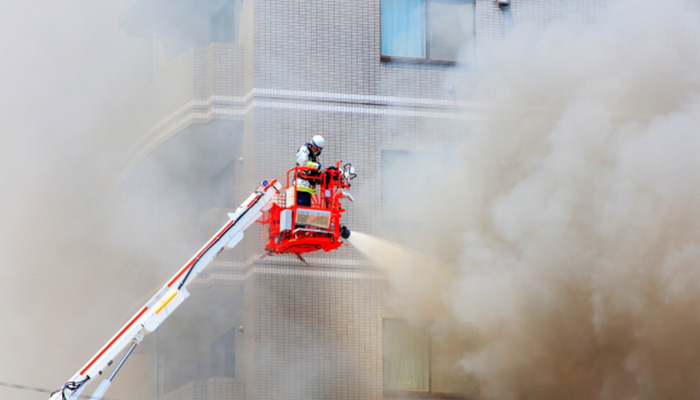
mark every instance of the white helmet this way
{"type": "Point", "coordinates": [318, 142]}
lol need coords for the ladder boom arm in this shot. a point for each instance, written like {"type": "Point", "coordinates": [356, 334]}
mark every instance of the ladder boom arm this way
{"type": "Point", "coordinates": [173, 293]}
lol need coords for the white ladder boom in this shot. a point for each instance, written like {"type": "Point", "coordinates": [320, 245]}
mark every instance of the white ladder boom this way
{"type": "Point", "coordinates": [170, 296]}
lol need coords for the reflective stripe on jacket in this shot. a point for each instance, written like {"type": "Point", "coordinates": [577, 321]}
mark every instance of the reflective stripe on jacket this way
{"type": "Point", "coordinates": [302, 188]}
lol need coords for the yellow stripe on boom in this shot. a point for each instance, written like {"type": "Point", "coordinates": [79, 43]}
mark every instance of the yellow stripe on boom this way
{"type": "Point", "coordinates": [165, 302]}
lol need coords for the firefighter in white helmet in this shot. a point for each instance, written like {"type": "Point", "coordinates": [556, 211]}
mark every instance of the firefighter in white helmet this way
{"type": "Point", "coordinates": [307, 156]}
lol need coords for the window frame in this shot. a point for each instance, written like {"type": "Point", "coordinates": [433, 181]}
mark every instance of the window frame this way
{"type": "Point", "coordinates": [418, 394]}
{"type": "Point", "coordinates": [419, 60]}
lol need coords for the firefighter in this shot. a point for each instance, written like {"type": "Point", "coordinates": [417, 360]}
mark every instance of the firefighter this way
{"type": "Point", "coordinates": [307, 156]}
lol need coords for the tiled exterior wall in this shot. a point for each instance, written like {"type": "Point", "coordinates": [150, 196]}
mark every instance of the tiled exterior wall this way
{"type": "Point", "coordinates": [318, 334]}
{"type": "Point", "coordinates": [225, 388]}
{"type": "Point", "coordinates": [191, 391]}
{"type": "Point", "coordinates": [306, 68]}
{"type": "Point", "coordinates": [225, 67]}
{"type": "Point", "coordinates": [246, 39]}
{"type": "Point", "coordinates": [213, 388]}
{"type": "Point", "coordinates": [321, 46]}
{"type": "Point", "coordinates": [199, 74]}
{"type": "Point", "coordinates": [250, 338]}
{"type": "Point", "coordinates": [174, 82]}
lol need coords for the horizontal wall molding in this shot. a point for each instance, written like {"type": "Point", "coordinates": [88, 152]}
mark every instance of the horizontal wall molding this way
{"type": "Point", "coordinates": [233, 273]}
{"type": "Point", "coordinates": [316, 272]}
{"type": "Point", "coordinates": [236, 107]}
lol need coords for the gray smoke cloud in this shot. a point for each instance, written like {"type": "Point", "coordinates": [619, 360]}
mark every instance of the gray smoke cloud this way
{"type": "Point", "coordinates": [86, 240]}
{"type": "Point", "coordinates": [72, 106]}
{"type": "Point", "coordinates": [573, 235]}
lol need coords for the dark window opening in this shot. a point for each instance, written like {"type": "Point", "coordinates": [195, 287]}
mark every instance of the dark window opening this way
{"type": "Point", "coordinates": [413, 363]}
{"type": "Point", "coordinates": [222, 355]}
{"type": "Point", "coordinates": [406, 355]}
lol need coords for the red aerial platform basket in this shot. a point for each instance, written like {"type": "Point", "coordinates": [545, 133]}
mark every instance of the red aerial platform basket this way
{"type": "Point", "coordinates": [297, 229]}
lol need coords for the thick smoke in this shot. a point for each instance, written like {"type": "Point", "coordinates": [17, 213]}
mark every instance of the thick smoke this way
{"type": "Point", "coordinates": [577, 216]}
{"type": "Point", "coordinates": [72, 107]}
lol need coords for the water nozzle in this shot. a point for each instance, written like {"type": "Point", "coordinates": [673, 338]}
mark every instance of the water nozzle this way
{"type": "Point", "coordinates": [344, 232]}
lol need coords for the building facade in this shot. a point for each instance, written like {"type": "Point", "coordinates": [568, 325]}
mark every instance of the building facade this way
{"type": "Point", "coordinates": [240, 85]}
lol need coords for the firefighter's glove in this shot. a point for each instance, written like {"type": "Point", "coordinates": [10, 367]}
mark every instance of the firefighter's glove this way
{"type": "Point", "coordinates": [314, 165]}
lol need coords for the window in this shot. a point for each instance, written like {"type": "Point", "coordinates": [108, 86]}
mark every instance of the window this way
{"type": "Point", "coordinates": [413, 362]}
{"type": "Point", "coordinates": [222, 355]}
{"type": "Point", "coordinates": [425, 30]}
{"type": "Point", "coordinates": [224, 24]}
{"type": "Point", "coordinates": [406, 351]}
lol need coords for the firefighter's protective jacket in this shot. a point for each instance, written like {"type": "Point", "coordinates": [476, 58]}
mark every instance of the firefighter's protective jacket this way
{"type": "Point", "coordinates": [307, 158]}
